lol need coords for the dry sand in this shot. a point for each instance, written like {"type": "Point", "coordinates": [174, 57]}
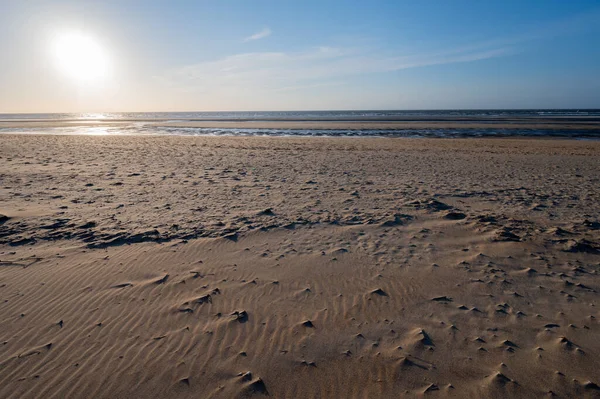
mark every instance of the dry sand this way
{"type": "Point", "coordinates": [196, 267]}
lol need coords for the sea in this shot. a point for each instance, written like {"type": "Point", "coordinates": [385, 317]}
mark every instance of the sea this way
{"type": "Point", "coordinates": [159, 123]}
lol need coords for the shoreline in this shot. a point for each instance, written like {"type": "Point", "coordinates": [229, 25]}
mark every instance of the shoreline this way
{"type": "Point", "coordinates": [522, 123]}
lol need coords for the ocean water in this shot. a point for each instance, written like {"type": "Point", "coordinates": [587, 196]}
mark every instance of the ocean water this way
{"type": "Point", "coordinates": [311, 115]}
{"type": "Point", "coordinates": [142, 123]}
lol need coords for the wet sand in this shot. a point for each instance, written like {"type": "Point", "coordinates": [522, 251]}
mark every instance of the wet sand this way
{"type": "Point", "coordinates": [567, 124]}
{"type": "Point", "coordinates": [233, 267]}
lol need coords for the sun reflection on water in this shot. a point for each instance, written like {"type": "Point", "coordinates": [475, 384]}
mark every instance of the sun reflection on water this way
{"type": "Point", "coordinates": [93, 115]}
{"type": "Point", "coordinates": [97, 131]}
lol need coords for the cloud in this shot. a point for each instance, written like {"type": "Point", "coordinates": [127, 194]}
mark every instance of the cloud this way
{"type": "Point", "coordinates": [259, 35]}
{"type": "Point", "coordinates": [321, 66]}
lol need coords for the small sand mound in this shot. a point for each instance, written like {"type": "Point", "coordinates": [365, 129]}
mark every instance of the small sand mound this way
{"type": "Point", "coordinates": [557, 231]}
{"type": "Point", "coordinates": [585, 287]}
{"type": "Point", "coordinates": [509, 344]}
{"type": "Point", "coordinates": [266, 212]}
{"type": "Point", "coordinates": [431, 205]}
{"type": "Point", "coordinates": [308, 364]}
{"type": "Point", "coordinates": [499, 379]}
{"type": "Point", "coordinates": [162, 280]}
{"type": "Point", "coordinates": [592, 225]}
{"type": "Point", "coordinates": [441, 299]}
{"type": "Point", "coordinates": [257, 386]}
{"type": "Point", "coordinates": [379, 292]}
{"type": "Point", "coordinates": [454, 216]}
{"type": "Point", "coordinates": [231, 236]}
{"type": "Point", "coordinates": [565, 341]}
{"type": "Point", "coordinates": [207, 298]}
{"type": "Point", "coordinates": [185, 381]}
{"type": "Point", "coordinates": [240, 316]}
{"type": "Point", "coordinates": [122, 285]}
{"type": "Point", "coordinates": [505, 234]}
{"type": "Point", "coordinates": [591, 386]}
{"type": "Point", "coordinates": [486, 219]}
{"type": "Point", "coordinates": [197, 274]}
{"type": "Point", "coordinates": [569, 345]}
{"type": "Point", "coordinates": [529, 271]}
{"type": "Point", "coordinates": [397, 220]}
{"type": "Point", "coordinates": [339, 251]}
{"type": "Point", "coordinates": [405, 362]}
{"type": "Point", "coordinates": [582, 246]}
{"type": "Point", "coordinates": [431, 388]}
{"type": "Point", "coordinates": [308, 324]}
{"type": "Point", "coordinates": [421, 337]}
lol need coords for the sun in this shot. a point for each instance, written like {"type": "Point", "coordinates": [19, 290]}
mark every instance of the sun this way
{"type": "Point", "coordinates": [80, 57]}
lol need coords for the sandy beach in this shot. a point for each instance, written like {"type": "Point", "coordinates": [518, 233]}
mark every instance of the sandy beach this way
{"type": "Point", "coordinates": [223, 267]}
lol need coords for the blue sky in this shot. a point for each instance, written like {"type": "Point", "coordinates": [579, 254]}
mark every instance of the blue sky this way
{"type": "Point", "coordinates": [289, 55]}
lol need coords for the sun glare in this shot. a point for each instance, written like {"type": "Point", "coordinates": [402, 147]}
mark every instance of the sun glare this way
{"type": "Point", "coordinates": [80, 57]}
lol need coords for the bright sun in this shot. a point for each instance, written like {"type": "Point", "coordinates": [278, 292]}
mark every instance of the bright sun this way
{"type": "Point", "coordinates": [80, 57]}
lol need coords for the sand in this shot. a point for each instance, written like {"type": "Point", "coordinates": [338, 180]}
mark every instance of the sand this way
{"type": "Point", "coordinates": [138, 267]}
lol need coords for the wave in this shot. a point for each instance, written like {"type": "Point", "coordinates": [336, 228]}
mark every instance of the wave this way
{"type": "Point", "coordinates": [304, 115]}
{"type": "Point", "coordinates": [145, 129]}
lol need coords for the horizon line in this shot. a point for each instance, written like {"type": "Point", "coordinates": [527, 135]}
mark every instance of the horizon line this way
{"type": "Point", "coordinates": [307, 110]}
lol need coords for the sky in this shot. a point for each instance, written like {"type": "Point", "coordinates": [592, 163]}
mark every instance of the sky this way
{"type": "Point", "coordinates": [226, 55]}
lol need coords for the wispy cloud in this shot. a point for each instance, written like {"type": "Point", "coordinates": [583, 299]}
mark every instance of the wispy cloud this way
{"type": "Point", "coordinates": [276, 71]}
{"type": "Point", "coordinates": [324, 66]}
{"type": "Point", "coordinates": [259, 35]}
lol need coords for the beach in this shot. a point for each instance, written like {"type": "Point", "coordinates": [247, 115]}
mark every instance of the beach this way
{"type": "Point", "coordinates": [221, 267]}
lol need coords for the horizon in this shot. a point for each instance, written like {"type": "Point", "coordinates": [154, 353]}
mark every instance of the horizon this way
{"type": "Point", "coordinates": [304, 111]}
{"type": "Point", "coordinates": [89, 57]}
